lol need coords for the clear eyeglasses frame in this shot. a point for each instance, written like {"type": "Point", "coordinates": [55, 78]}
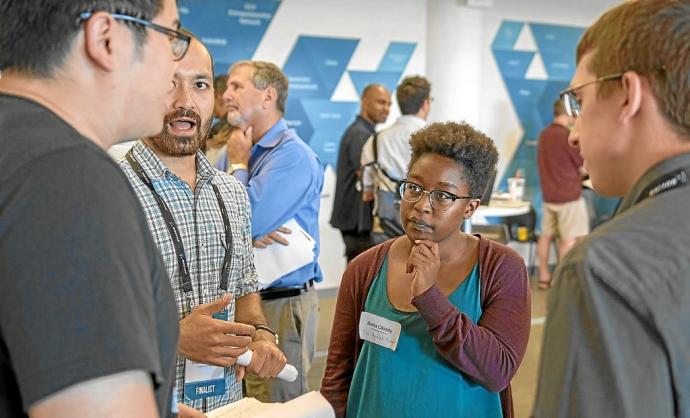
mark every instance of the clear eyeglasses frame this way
{"type": "Point", "coordinates": [178, 40]}
{"type": "Point", "coordinates": [570, 101]}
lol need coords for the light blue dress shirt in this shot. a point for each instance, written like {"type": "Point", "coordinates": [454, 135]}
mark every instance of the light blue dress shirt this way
{"type": "Point", "coordinates": [284, 181]}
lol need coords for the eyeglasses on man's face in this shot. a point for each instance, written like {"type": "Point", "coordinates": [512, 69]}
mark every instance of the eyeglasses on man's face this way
{"type": "Point", "coordinates": [570, 101]}
{"type": "Point", "coordinates": [178, 41]}
{"type": "Point", "coordinates": [439, 199]}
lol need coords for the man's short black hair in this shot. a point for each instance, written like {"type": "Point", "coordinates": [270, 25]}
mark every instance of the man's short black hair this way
{"type": "Point", "coordinates": [36, 35]}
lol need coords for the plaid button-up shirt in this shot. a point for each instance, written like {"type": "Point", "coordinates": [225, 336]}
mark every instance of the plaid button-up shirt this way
{"type": "Point", "coordinates": [200, 223]}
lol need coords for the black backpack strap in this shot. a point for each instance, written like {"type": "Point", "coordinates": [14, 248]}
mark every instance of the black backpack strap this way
{"type": "Point", "coordinates": [375, 144]}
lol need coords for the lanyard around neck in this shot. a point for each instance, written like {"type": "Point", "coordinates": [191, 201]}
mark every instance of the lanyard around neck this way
{"type": "Point", "coordinates": [173, 230]}
{"type": "Point", "coordinates": [670, 181]}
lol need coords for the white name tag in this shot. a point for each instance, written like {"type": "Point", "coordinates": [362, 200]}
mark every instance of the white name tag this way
{"type": "Point", "coordinates": [379, 330]}
{"type": "Point", "coordinates": [202, 380]}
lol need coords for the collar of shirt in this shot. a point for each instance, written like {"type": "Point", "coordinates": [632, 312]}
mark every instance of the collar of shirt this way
{"type": "Point", "coordinates": [367, 125]}
{"type": "Point", "coordinates": [558, 125]}
{"type": "Point", "coordinates": [412, 120]}
{"type": "Point", "coordinates": [652, 175]}
{"type": "Point", "coordinates": [157, 170]}
{"type": "Point", "coordinates": [274, 135]}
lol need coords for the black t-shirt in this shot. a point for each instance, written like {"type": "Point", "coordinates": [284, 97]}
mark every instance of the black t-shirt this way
{"type": "Point", "coordinates": [83, 290]}
{"type": "Point", "coordinates": [350, 213]}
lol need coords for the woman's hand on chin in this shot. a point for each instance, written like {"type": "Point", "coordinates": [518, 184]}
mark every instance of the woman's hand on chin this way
{"type": "Point", "coordinates": [424, 263]}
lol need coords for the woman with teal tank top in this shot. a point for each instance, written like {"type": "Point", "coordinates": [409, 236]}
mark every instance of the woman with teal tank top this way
{"type": "Point", "coordinates": [434, 323]}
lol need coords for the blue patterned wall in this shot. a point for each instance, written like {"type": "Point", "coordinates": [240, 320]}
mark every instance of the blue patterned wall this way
{"type": "Point", "coordinates": [233, 29]}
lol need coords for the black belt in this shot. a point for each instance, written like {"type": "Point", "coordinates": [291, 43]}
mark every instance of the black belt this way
{"type": "Point", "coordinates": [271, 293]}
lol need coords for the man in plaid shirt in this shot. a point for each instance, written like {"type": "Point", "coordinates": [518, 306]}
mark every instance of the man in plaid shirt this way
{"type": "Point", "coordinates": [200, 219]}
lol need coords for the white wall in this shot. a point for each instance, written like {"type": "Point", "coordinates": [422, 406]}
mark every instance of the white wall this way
{"type": "Point", "coordinates": [454, 55]}
{"type": "Point", "coordinates": [465, 79]}
{"type": "Point", "coordinates": [375, 23]}
{"type": "Point", "coordinates": [497, 117]}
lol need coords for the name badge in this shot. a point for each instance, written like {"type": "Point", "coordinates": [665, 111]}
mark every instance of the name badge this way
{"type": "Point", "coordinates": [221, 315]}
{"type": "Point", "coordinates": [202, 380]}
{"type": "Point", "coordinates": [379, 330]}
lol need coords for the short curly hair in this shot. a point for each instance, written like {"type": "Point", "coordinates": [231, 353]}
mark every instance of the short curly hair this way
{"type": "Point", "coordinates": [473, 151]}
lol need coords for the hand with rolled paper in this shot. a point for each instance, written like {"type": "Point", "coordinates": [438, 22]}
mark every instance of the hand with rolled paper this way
{"type": "Point", "coordinates": [288, 374]}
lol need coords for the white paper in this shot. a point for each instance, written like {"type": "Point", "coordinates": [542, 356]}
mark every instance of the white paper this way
{"type": "Point", "coordinates": [247, 407]}
{"type": "Point", "coordinates": [199, 372]}
{"type": "Point", "coordinates": [309, 405]}
{"type": "Point", "coordinates": [277, 259]}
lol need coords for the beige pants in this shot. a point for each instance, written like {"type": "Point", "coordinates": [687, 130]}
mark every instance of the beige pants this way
{"type": "Point", "coordinates": [565, 220]}
{"type": "Point", "coordinates": [295, 320]}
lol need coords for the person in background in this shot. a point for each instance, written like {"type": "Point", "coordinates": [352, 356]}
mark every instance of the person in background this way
{"type": "Point", "coordinates": [87, 318]}
{"type": "Point", "coordinates": [351, 215]}
{"type": "Point", "coordinates": [564, 214]}
{"type": "Point", "coordinates": [436, 313]}
{"type": "Point", "coordinates": [220, 111]}
{"type": "Point", "coordinates": [616, 340]}
{"type": "Point", "coordinates": [385, 156]}
{"type": "Point", "coordinates": [220, 129]}
{"type": "Point", "coordinates": [284, 178]}
{"type": "Point", "coordinates": [211, 268]}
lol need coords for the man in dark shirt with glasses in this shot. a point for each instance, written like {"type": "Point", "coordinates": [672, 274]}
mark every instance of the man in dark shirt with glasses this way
{"type": "Point", "coordinates": [88, 325]}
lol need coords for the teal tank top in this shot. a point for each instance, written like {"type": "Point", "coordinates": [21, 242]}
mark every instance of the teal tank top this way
{"type": "Point", "coordinates": [414, 380]}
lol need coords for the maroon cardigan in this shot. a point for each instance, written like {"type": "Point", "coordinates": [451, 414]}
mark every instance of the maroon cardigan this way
{"type": "Point", "coordinates": [488, 352]}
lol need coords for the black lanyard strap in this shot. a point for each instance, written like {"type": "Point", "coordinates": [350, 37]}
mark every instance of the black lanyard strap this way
{"type": "Point", "coordinates": [171, 225]}
{"type": "Point", "coordinates": [173, 230]}
{"type": "Point", "coordinates": [670, 181]}
{"type": "Point", "coordinates": [227, 260]}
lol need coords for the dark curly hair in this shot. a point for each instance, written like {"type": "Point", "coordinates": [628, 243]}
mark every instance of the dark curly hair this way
{"type": "Point", "coordinates": [473, 151]}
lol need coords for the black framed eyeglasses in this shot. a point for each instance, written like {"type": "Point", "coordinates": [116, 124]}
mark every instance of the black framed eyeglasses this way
{"type": "Point", "coordinates": [439, 199]}
{"type": "Point", "coordinates": [178, 41]}
{"type": "Point", "coordinates": [570, 101]}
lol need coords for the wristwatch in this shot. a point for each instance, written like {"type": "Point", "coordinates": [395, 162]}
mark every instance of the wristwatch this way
{"type": "Point", "coordinates": [266, 328]}
{"type": "Point", "coordinates": [237, 166]}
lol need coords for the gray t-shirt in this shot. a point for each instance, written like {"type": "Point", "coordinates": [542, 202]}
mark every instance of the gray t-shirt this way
{"type": "Point", "coordinates": [83, 292]}
{"type": "Point", "coordinates": [617, 336]}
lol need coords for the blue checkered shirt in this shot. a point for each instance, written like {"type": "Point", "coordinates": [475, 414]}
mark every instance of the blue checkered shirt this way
{"type": "Point", "coordinates": [200, 223]}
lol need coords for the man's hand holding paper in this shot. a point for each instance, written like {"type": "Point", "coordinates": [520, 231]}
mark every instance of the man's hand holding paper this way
{"type": "Point", "coordinates": [275, 261]}
{"type": "Point", "coordinates": [272, 238]}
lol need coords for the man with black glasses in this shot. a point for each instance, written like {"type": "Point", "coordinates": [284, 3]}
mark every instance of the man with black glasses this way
{"type": "Point", "coordinates": [87, 320]}
{"type": "Point", "coordinates": [617, 339]}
